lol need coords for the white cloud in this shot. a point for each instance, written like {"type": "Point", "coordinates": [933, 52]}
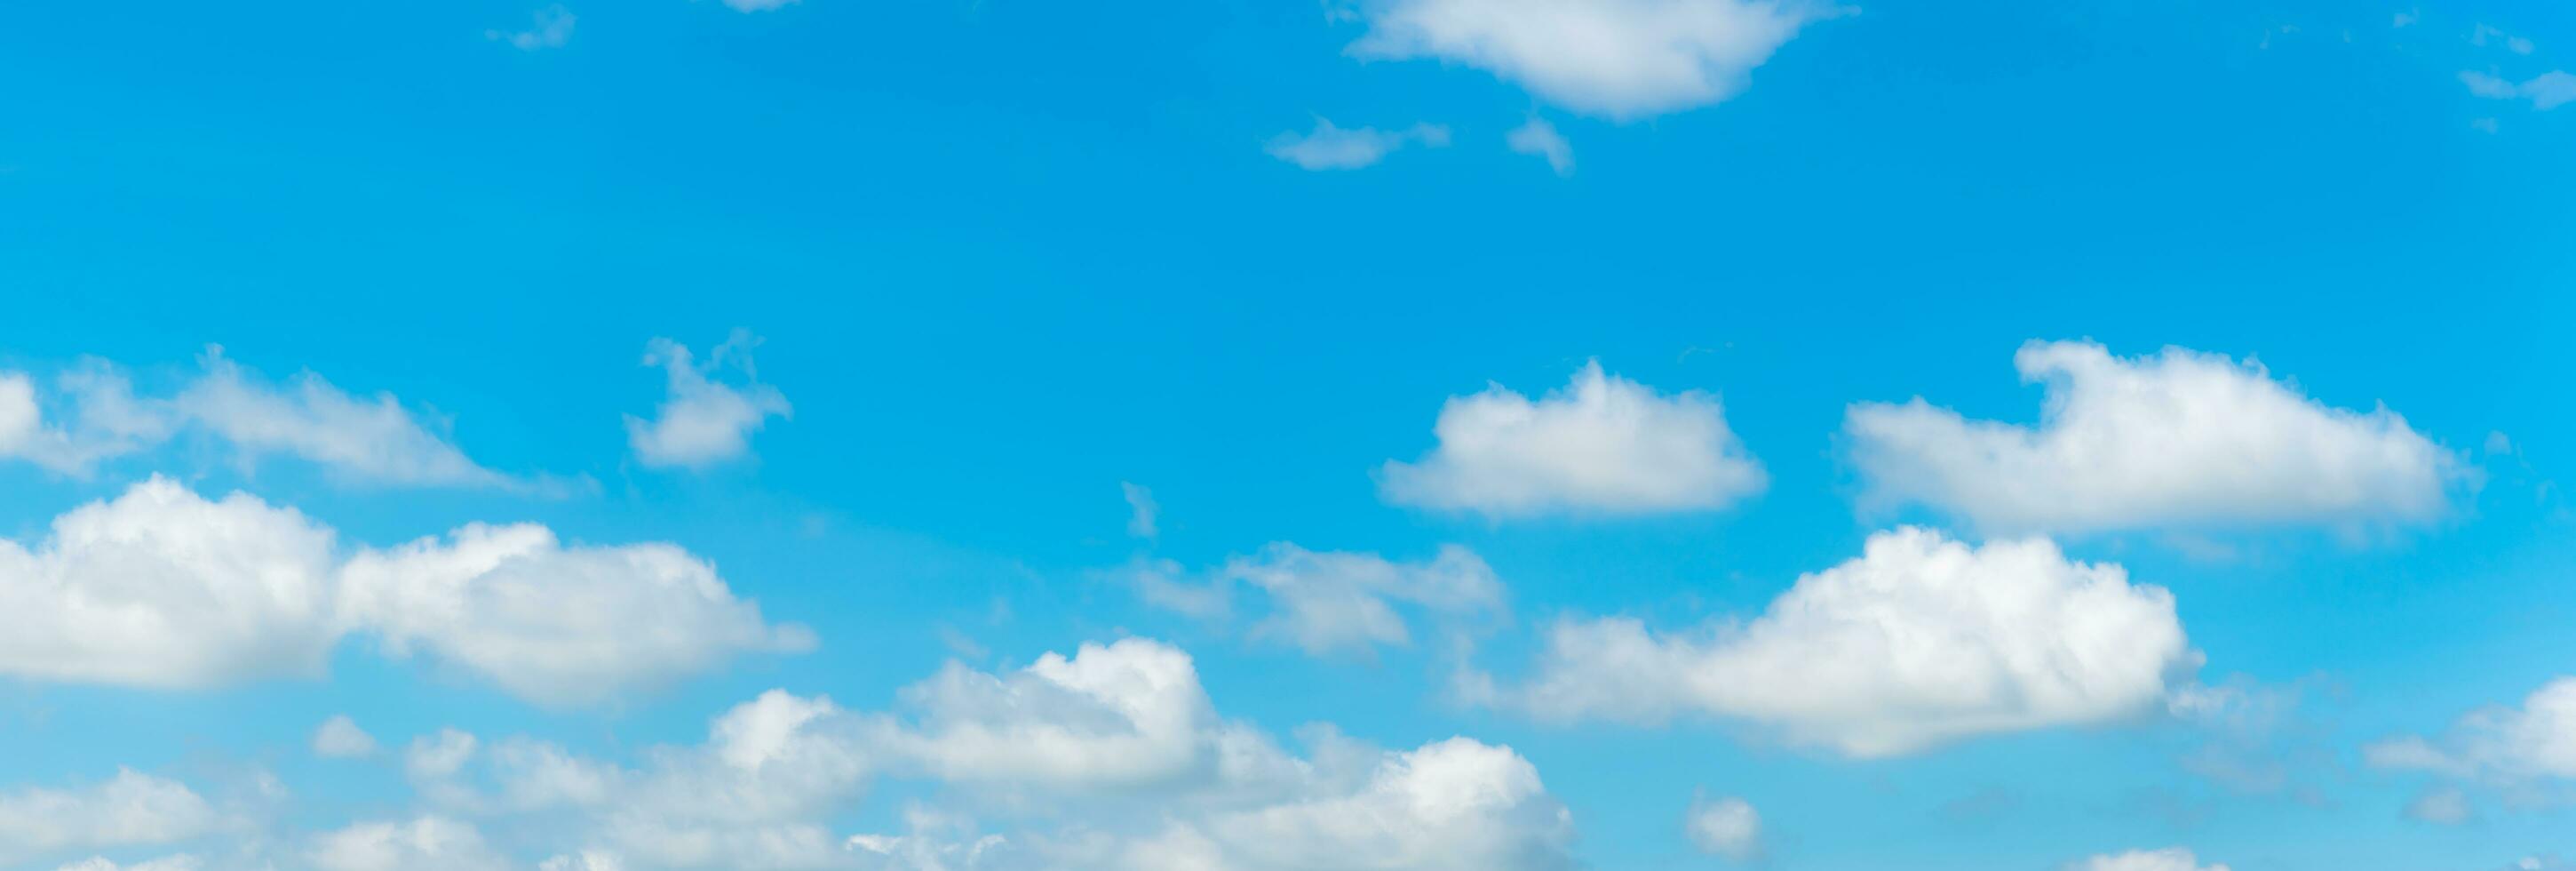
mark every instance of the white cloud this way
{"type": "Point", "coordinates": [2183, 439]}
{"type": "Point", "coordinates": [2169, 859]}
{"type": "Point", "coordinates": [1616, 58]}
{"type": "Point", "coordinates": [181, 862]}
{"type": "Point", "coordinates": [1920, 641]}
{"type": "Point", "coordinates": [1115, 755]}
{"type": "Point", "coordinates": [130, 809]}
{"type": "Point", "coordinates": [704, 422]}
{"type": "Point", "coordinates": [1603, 445]}
{"type": "Point", "coordinates": [340, 738]}
{"type": "Point", "coordinates": [1330, 147]}
{"type": "Point", "coordinates": [1141, 510]}
{"type": "Point", "coordinates": [2501, 745]}
{"type": "Point", "coordinates": [1726, 827]}
{"type": "Point", "coordinates": [428, 843]}
{"type": "Point", "coordinates": [1539, 138]}
{"type": "Point", "coordinates": [556, 624]}
{"type": "Point", "coordinates": [552, 28]}
{"type": "Point", "coordinates": [757, 5]}
{"type": "Point", "coordinates": [2546, 91]}
{"type": "Point", "coordinates": [163, 588]}
{"type": "Point", "coordinates": [1333, 602]}
{"type": "Point", "coordinates": [371, 440]}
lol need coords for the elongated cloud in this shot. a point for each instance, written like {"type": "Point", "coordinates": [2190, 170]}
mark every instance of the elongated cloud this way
{"type": "Point", "coordinates": [2180, 439]}
{"type": "Point", "coordinates": [1602, 445]}
{"type": "Point", "coordinates": [163, 588]}
{"type": "Point", "coordinates": [1332, 602]}
{"type": "Point", "coordinates": [1072, 742]}
{"type": "Point", "coordinates": [1918, 642]}
{"type": "Point", "coordinates": [370, 440]}
{"type": "Point", "coordinates": [2498, 745]}
{"type": "Point", "coordinates": [1617, 58]}
{"type": "Point", "coordinates": [1330, 147]}
{"type": "Point", "coordinates": [131, 809]}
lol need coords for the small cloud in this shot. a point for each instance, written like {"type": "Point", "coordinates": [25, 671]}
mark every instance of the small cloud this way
{"type": "Point", "coordinates": [2406, 19]}
{"type": "Point", "coordinates": [1141, 510]}
{"type": "Point", "coordinates": [1330, 147]}
{"type": "Point", "coordinates": [757, 5]}
{"type": "Point", "coordinates": [1541, 139]}
{"type": "Point", "coordinates": [340, 738]}
{"type": "Point", "coordinates": [704, 422]}
{"type": "Point", "coordinates": [2442, 806]}
{"type": "Point", "coordinates": [1726, 827]}
{"type": "Point", "coordinates": [552, 29]}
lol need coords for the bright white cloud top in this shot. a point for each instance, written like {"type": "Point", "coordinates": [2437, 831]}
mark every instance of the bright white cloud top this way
{"type": "Point", "coordinates": [2180, 440]}
{"type": "Point", "coordinates": [163, 588]}
{"type": "Point", "coordinates": [1602, 445]}
{"type": "Point", "coordinates": [1918, 642]}
{"type": "Point", "coordinates": [1616, 58]}
{"type": "Point", "coordinates": [370, 440]}
{"type": "Point", "coordinates": [704, 422]}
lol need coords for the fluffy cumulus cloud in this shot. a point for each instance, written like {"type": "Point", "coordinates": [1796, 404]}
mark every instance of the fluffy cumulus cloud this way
{"type": "Point", "coordinates": [2180, 439]}
{"type": "Point", "coordinates": [554, 623]}
{"type": "Point", "coordinates": [1333, 602]}
{"type": "Point", "coordinates": [2505, 746]}
{"type": "Point", "coordinates": [2169, 859]}
{"type": "Point", "coordinates": [1614, 58]}
{"type": "Point", "coordinates": [1919, 641]}
{"type": "Point", "coordinates": [703, 421]}
{"type": "Point", "coordinates": [372, 439]}
{"type": "Point", "coordinates": [1331, 147]}
{"type": "Point", "coordinates": [161, 587]}
{"type": "Point", "coordinates": [1602, 445]}
{"type": "Point", "coordinates": [128, 810]}
{"type": "Point", "coordinates": [1725, 827]}
{"type": "Point", "coordinates": [1111, 758]}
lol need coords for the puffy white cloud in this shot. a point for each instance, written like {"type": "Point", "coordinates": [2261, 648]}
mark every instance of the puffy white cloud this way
{"type": "Point", "coordinates": [1601, 445]}
{"type": "Point", "coordinates": [2169, 859]}
{"type": "Point", "coordinates": [427, 843]}
{"type": "Point", "coordinates": [2546, 91]}
{"type": "Point", "coordinates": [1616, 58]}
{"type": "Point", "coordinates": [130, 809]}
{"type": "Point", "coordinates": [2181, 439]}
{"type": "Point", "coordinates": [1919, 641]}
{"type": "Point", "coordinates": [556, 624]}
{"type": "Point", "coordinates": [1540, 139]}
{"type": "Point", "coordinates": [162, 588]}
{"type": "Point", "coordinates": [551, 29]}
{"type": "Point", "coordinates": [1333, 601]}
{"type": "Point", "coordinates": [704, 422]}
{"type": "Point", "coordinates": [370, 440]}
{"type": "Point", "coordinates": [1727, 827]}
{"type": "Point", "coordinates": [2502, 745]}
{"type": "Point", "coordinates": [1330, 147]}
{"type": "Point", "coordinates": [340, 738]}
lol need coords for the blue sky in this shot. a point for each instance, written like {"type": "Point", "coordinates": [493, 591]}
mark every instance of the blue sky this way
{"type": "Point", "coordinates": [1405, 434]}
